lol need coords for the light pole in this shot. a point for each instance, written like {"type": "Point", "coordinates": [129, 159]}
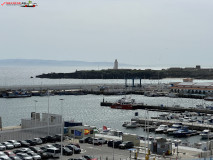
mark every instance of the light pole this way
{"type": "Point", "coordinates": [61, 123]}
{"type": "Point", "coordinates": [113, 148]}
{"type": "Point", "coordinates": [48, 108]}
{"type": "Point", "coordinates": [35, 116]}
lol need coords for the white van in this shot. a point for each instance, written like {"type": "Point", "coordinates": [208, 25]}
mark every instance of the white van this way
{"type": "Point", "coordinates": [53, 152]}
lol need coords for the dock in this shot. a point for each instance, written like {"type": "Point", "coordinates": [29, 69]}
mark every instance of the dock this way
{"type": "Point", "coordinates": [163, 108]}
{"type": "Point", "coordinates": [191, 125]}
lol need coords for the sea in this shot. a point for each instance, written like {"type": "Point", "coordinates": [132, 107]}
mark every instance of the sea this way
{"type": "Point", "coordinates": [81, 108]}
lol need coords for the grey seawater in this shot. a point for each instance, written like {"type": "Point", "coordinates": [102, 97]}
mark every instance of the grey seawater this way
{"type": "Point", "coordinates": [79, 108]}
{"type": "Point", "coordinates": [87, 109]}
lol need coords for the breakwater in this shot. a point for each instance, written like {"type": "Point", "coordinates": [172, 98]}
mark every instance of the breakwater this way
{"type": "Point", "coordinates": [163, 108]}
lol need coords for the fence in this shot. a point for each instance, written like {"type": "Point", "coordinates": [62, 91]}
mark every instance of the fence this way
{"type": "Point", "coordinates": [30, 133]}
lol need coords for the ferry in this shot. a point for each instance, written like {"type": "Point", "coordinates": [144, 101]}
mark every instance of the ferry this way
{"type": "Point", "coordinates": [124, 103]}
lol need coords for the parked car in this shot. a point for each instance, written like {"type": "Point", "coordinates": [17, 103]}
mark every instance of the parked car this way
{"type": "Point", "coordinates": [37, 141]}
{"type": "Point", "coordinates": [57, 145]}
{"type": "Point", "coordinates": [74, 148]}
{"type": "Point", "coordinates": [2, 147]}
{"type": "Point", "coordinates": [57, 138]}
{"type": "Point", "coordinates": [15, 158]}
{"type": "Point", "coordinates": [126, 144]}
{"type": "Point", "coordinates": [31, 142]}
{"type": "Point", "coordinates": [50, 139]}
{"type": "Point", "coordinates": [8, 145]}
{"type": "Point", "coordinates": [24, 156]}
{"type": "Point", "coordinates": [22, 150]}
{"type": "Point", "coordinates": [44, 155]}
{"type": "Point", "coordinates": [4, 156]}
{"type": "Point", "coordinates": [116, 143]}
{"type": "Point", "coordinates": [44, 139]}
{"type": "Point", "coordinates": [75, 144]}
{"type": "Point", "coordinates": [53, 152]}
{"type": "Point", "coordinates": [87, 157]}
{"type": "Point", "coordinates": [67, 151]}
{"type": "Point", "coordinates": [84, 139]}
{"type": "Point", "coordinates": [34, 155]}
{"type": "Point", "coordinates": [24, 143]}
{"type": "Point", "coordinates": [36, 149]}
{"type": "Point", "coordinates": [11, 155]}
{"type": "Point", "coordinates": [90, 141]}
{"type": "Point", "coordinates": [15, 143]}
{"type": "Point", "coordinates": [99, 141]}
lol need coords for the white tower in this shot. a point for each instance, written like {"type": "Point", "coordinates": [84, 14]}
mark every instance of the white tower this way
{"type": "Point", "coordinates": [115, 64]}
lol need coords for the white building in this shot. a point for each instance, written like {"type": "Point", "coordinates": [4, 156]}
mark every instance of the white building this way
{"type": "Point", "coordinates": [115, 64]}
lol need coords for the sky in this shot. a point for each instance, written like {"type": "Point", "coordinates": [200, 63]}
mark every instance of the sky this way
{"type": "Point", "coordinates": [141, 32]}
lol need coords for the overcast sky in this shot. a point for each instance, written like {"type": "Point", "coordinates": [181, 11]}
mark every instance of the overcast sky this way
{"type": "Point", "coordinates": [142, 32]}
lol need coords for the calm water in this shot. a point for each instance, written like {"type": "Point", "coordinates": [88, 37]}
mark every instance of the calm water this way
{"type": "Point", "coordinates": [79, 108]}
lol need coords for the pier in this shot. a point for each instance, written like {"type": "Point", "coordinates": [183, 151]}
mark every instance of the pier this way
{"type": "Point", "coordinates": [163, 108]}
{"type": "Point", "coordinates": [191, 125]}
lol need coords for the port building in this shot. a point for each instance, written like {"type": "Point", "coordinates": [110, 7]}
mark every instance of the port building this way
{"type": "Point", "coordinates": [191, 87]}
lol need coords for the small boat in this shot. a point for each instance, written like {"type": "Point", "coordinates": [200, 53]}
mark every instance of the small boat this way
{"type": "Point", "coordinates": [16, 94]}
{"type": "Point", "coordinates": [132, 124]}
{"type": "Point", "coordinates": [124, 103]}
{"type": "Point", "coordinates": [209, 107]}
{"type": "Point", "coordinates": [162, 128]}
{"type": "Point", "coordinates": [174, 127]}
{"type": "Point", "coordinates": [209, 98]}
{"type": "Point", "coordinates": [184, 132]}
{"type": "Point", "coordinates": [206, 134]}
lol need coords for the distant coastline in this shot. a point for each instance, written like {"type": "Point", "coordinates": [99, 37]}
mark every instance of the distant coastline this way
{"type": "Point", "coordinates": [196, 73]}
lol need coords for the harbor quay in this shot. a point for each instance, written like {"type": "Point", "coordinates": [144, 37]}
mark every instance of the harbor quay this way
{"type": "Point", "coordinates": [161, 108]}
{"type": "Point", "coordinates": [191, 125]}
{"type": "Point", "coordinates": [103, 152]}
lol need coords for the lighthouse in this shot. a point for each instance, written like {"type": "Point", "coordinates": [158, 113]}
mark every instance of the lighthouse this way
{"type": "Point", "coordinates": [115, 64]}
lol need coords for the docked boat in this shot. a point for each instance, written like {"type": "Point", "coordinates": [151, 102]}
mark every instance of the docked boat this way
{"type": "Point", "coordinates": [174, 127]}
{"type": "Point", "coordinates": [209, 98]}
{"type": "Point", "coordinates": [162, 128]}
{"type": "Point", "coordinates": [16, 94]}
{"type": "Point", "coordinates": [124, 103]}
{"type": "Point", "coordinates": [132, 124]}
{"type": "Point", "coordinates": [184, 132]}
{"type": "Point", "coordinates": [206, 134]}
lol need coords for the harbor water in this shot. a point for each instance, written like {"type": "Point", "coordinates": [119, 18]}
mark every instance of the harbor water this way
{"type": "Point", "coordinates": [84, 108]}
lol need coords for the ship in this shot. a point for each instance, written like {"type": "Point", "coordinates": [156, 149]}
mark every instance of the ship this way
{"type": "Point", "coordinates": [124, 103]}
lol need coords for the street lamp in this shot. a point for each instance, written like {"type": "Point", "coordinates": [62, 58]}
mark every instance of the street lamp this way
{"type": "Point", "coordinates": [35, 116]}
{"type": "Point", "coordinates": [61, 123]}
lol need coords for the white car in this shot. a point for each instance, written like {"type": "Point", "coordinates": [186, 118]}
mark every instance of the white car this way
{"type": "Point", "coordinates": [8, 145]}
{"type": "Point", "coordinates": [2, 147]}
{"type": "Point", "coordinates": [4, 156]}
{"type": "Point", "coordinates": [99, 141]}
{"type": "Point", "coordinates": [34, 155]}
{"type": "Point", "coordinates": [15, 143]}
{"type": "Point", "coordinates": [24, 156]}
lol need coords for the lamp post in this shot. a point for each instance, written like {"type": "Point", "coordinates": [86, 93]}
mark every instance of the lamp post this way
{"type": "Point", "coordinates": [48, 116]}
{"type": "Point", "coordinates": [61, 124]}
{"type": "Point", "coordinates": [113, 149]}
{"type": "Point", "coordinates": [35, 116]}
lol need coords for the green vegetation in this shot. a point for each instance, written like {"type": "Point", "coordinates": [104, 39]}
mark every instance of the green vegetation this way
{"type": "Point", "coordinates": [128, 73]}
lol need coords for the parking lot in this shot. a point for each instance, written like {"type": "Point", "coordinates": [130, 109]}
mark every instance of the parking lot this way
{"type": "Point", "coordinates": [101, 152]}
